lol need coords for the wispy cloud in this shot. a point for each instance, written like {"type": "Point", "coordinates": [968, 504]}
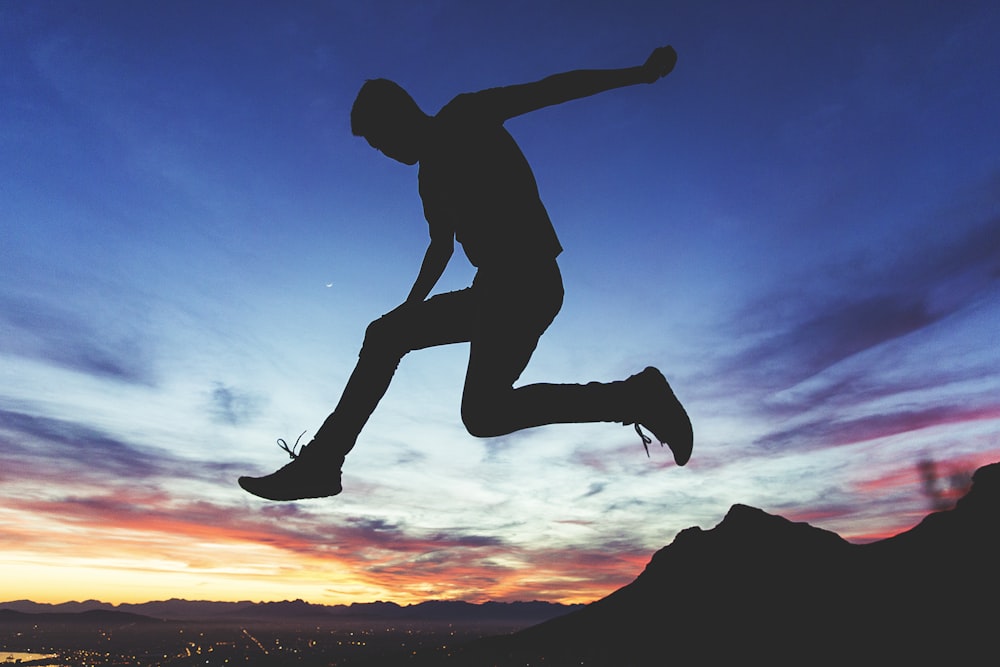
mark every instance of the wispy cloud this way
{"type": "Point", "coordinates": [866, 305]}
{"type": "Point", "coordinates": [61, 337]}
{"type": "Point", "coordinates": [595, 489]}
{"type": "Point", "coordinates": [65, 446]}
{"type": "Point", "coordinates": [829, 432]}
{"type": "Point", "coordinates": [62, 452]}
{"type": "Point", "coordinates": [233, 406]}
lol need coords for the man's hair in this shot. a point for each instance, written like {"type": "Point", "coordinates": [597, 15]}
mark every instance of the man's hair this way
{"type": "Point", "coordinates": [380, 102]}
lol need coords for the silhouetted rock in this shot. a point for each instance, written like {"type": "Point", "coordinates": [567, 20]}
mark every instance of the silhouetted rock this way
{"type": "Point", "coordinates": [761, 588]}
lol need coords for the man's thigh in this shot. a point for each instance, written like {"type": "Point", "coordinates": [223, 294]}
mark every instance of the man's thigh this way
{"type": "Point", "coordinates": [441, 320]}
{"type": "Point", "coordinates": [496, 360]}
{"type": "Point", "coordinates": [506, 334]}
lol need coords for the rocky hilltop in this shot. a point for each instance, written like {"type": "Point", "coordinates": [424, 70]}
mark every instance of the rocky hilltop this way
{"type": "Point", "coordinates": [758, 587]}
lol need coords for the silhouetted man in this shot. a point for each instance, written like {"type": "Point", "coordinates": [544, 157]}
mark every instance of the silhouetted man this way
{"type": "Point", "coordinates": [478, 189]}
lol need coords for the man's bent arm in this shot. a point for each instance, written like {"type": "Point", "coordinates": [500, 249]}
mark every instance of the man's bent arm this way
{"type": "Point", "coordinates": [435, 261]}
{"type": "Point", "coordinates": [511, 101]}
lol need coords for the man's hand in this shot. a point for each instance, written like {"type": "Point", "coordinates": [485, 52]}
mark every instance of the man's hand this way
{"type": "Point", "coordinates": [659, 64]}
{"type": "Point", "coordinates": [435, 260]}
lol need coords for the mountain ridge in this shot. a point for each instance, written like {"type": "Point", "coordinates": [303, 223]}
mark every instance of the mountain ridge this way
{"type": "Point", "coordinates": [759, 586]}
{"type": "Point", "coordinates": [176, 609]}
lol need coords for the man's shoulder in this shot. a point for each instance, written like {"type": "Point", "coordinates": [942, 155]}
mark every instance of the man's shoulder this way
{"type": "Point", "coordinates": [470, 108]}
{"type": "Point", "coordinates": [457, 107]}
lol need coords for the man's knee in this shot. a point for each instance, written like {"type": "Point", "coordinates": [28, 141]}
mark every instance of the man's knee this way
{"type": "Point", "coordinates": [481, 418]}
{"type": "Point", "coordinates": [382, 338]}
{"type": "Point", "coordinates": [478, 424]}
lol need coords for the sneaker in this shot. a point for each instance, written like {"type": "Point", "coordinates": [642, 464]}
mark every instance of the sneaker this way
{"type": "Point", "coordinates": [660, 412]}
{"type": "Point", "coordinates": [312, 473]}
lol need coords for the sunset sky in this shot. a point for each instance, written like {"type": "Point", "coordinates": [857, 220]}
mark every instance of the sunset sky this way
{"type": "Point", "coordinates": [800, 226]}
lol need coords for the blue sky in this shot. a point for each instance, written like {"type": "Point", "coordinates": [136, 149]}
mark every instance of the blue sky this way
{"type": "Point", "coordinates": [800, 226]}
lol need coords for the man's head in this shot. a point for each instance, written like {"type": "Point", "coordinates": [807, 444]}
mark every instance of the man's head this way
{"type": "Point", "coordinates": [386, 115]}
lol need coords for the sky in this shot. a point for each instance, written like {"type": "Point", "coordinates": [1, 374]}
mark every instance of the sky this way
{"type": "Point", "coordinates": [800, 226]}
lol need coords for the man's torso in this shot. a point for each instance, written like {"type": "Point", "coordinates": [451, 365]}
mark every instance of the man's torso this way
{"type": "Point", "coordinates": [475, 182]}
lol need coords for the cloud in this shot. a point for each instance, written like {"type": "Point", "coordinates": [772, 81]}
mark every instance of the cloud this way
{"type": "Point", "coordinates": [65, 446]}
{"type": "Point", "coordinates": [58, 452]}
{"type": "Point", "coordinates": [870, 304]}
{"type": "Point", "coordinates": [406, 456]}
{"type": "Point", "coordinates": [57, 336]}
{"type": "Point", "coordinates": [395, 537]}
{"type": "Point", "coordinates": [837, 332]}
{"type": "Point", "coordinates": [453, 538]}
{"type": "Point", "coordinates": [234, 407]}
{"type": "Point", "coordinates": [827, 432]}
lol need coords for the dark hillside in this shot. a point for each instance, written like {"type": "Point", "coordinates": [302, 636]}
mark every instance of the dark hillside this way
{"type": "Point", "coordinates": [759, 587]}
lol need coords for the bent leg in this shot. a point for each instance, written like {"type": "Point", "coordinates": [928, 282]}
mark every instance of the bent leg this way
{"type": "Point", "coordinates": [441, 320]}
{"type": "Point", "coordinates": [492, 407]}
{"type": "Point", "coordinates": [516, 310]}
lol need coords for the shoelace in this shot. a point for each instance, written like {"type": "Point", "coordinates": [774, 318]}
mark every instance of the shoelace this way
{"type": "Point", "coordinates": [291, 450]}
{"type": "Point", "coordinates": [646, 440]}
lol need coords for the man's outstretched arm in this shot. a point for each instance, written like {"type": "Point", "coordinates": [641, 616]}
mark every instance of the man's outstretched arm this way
{"type": "Point", "coordinates": [511, 101]}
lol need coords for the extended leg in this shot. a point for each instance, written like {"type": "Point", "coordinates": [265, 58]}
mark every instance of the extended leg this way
{"type": "Point", "coordinates": [315, 472]}
{"type": "Point", "coordinates": [492, 406]}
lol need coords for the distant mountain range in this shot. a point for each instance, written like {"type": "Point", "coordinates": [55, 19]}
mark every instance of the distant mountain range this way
{"type": "Point", "coordinates": [515, 613]}
{"type": "Point", "coordinates": [759, 589]}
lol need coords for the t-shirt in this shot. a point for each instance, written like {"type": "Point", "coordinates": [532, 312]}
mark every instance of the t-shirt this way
{"type": "Point", "coordinates": [476, 184]}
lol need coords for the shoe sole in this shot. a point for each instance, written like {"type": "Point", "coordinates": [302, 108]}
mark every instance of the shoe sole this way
{"type": "Point", "coordinates": [252, 486]}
